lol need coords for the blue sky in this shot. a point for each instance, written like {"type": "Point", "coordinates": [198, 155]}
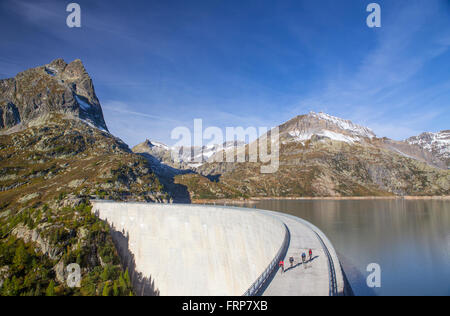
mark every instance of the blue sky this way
{"type": "Point", "coordinates": [159, 64]}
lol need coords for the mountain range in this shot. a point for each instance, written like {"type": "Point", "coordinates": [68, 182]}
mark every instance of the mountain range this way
{"type": "Point", "coordinates": [320, 155]}
{"type": "Point", "coordinates": [432, 148]}
{"type": "Point", "coordinates": [185, 157]}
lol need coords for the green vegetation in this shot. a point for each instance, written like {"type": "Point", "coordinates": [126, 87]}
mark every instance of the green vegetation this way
{"type": "Point", "coordinates": [78, 237]}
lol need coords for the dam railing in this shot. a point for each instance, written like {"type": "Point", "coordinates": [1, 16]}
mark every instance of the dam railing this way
{"type": "Point", "coordinates": [254, 288]}
{"type": "Point", "coordinates": [331, 271]}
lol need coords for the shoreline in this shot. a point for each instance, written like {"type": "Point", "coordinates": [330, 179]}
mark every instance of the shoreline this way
{"type": "Point", "coordinates": [339, 198]}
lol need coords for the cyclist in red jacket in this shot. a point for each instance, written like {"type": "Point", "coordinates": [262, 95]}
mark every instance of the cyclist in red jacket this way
{"type": "Point", "coordinates": [281, 265]}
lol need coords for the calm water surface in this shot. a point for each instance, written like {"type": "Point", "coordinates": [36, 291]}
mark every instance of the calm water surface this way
{"type": "Point", "coordinates": [410, 240]}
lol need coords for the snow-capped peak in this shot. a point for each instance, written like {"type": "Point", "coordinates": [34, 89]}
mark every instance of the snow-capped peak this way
{"type": "Point", "coordinates": [346, 125]}
{"type": "Point", "coordinates": [196, 156]}
{"type": "Point", "coordinates": [325, 126]}
{"type": "Point", "coordinates": [153, 143]}
{"type": "Point", "coordinates": [438, 143]}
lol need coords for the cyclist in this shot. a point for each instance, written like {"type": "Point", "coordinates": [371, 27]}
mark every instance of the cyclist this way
{"type": "Point", "coordinates": [281, 265]}
{"type": "Point", "coordinates": [291, 260]}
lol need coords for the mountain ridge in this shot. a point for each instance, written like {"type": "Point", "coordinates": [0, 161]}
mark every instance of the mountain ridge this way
{"type": "Point", "coordinates": [183, 157]}
{"type": "Point", "coordinates": [299, 130]}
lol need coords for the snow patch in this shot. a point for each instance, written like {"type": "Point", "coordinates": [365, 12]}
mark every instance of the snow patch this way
{"type": "Point", "coordinates": [159, 145]}
{"type": "Point", "coordinates": [209, 154]}
{"type": "Point", "coordinates": [339, 137]}
{"type": "Point", "coordinates": [94, 126]}
{"type": "Point", "coordinates": [344, 124]}
{"type": "Point", "coordinates": [51, 71]}
{"type": "Point", "coordinates": [301, 137]}
{"type": "Point", "coordinates": [195, 165]}
{"type": "Point", "coordinates": [83, 104]}
{"type": "Point", "coordinates": [402, 153]}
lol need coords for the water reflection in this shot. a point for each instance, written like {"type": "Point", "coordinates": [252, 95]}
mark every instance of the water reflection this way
{"type": "Point", "coordinates": [410, 239]}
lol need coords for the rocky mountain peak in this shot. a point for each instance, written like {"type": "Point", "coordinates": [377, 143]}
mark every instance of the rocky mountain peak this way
{"type": "Point", "coordinates": [151, 147]}
{"type": "Point", "coordinates": [152, 144]}
{"type": "Point", "coordinates": [436, 143]}
{"type": "Point", "coordinates": [147, 143]}
{"type": "Point", "coordinates": [322, 125]}
{"type": "Point", "coordinates": [56, 66]}
{"type": "Point", "coordinates": [57, 87]}
{"type": "Point", "coordinates": [59, 68]}
{"type": "Point", "coordinates": [75, 70]}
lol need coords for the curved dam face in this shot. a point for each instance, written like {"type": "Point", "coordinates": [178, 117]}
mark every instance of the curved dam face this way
{"type": "Point", "coordinates": [175, 249]}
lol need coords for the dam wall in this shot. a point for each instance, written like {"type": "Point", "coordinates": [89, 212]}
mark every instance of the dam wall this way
{"type": "Point", "coordinates": [193, 250]}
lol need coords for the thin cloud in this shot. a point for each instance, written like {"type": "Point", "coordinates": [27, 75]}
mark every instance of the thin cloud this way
{"type": "Point", "coordinates": [36, 11]}
{"type": "Point", "coordinates": [123, 108]}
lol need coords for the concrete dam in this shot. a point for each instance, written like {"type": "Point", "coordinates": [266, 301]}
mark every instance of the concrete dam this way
{"type": "Point", "coordinates": [196, 250]}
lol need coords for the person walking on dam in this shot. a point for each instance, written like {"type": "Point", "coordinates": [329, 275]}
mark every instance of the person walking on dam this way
{"type": "Point", "coordinates": [310, 254]}
{"type": "Point", "coordinates": [291, 260]}
{"type": "Point", "coordinates": [303, 257]}
{"type": "Point", "coordinates": [281, 265]}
